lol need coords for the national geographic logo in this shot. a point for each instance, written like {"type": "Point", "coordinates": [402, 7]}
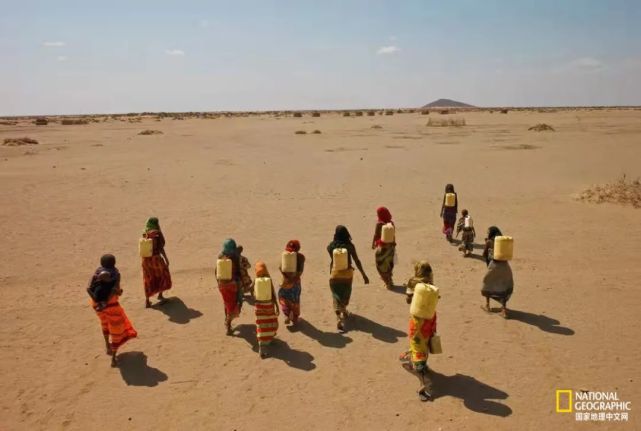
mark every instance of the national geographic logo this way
{"type": "Point", "coordinates": [593, 405]}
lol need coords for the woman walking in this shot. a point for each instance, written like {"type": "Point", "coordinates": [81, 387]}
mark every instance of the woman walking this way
{"type": "Point", "coordinates": [230, 290]}
{"type": "Point", "coordinates": [342, 273]}
{"type": "Point", "coordinates": [385, 251]}
{"type": "Point", "coordinates": [104, 290]}
{"type": "Point", "coordinates": [449, 209]}
{"type": "Point", "coordinates": [290, 288]}
{"type": "Point", "coordinates": [155, 269]}
{"type": "Point", "coordinates": [266, 307]}
{"type": "Point", "coordinates": [488, 250]}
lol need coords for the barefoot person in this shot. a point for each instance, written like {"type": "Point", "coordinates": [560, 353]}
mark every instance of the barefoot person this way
{"type": "Point", "coordinates": [104, 290]}
{"type": "Point", "coordinates": [488, 250]}
{"type": "Point", "coordinates": [421, 330]}
{"type": "Point", "coordinates": [449, 209]}
{"type": "Point", "coordinates": [231, 290]}
{"type": "Point", "coordinates": [340, 281]}
{"type": "Point", "coordinates": [290, 288]}
{"type": "Point", "coordinates": [155, 269]}
{"type": "Point", "coordinates": [266, 311]}
{"type": "Point", "coordinates": [384, 254]}
{"type": "Point", "coordinates": [466, 225]}
{"type": "Point", "coordinates": [498, 284]}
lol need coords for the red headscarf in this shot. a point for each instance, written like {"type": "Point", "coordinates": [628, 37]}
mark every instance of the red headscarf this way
{"type": "Point", "coordinates": [261, 269]}
{"type": "Point", "coordinates": [293, 246]}
{"type": "Point", "coordinates": [384, 216]}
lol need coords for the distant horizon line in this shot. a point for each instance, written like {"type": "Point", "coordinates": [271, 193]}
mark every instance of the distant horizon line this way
{"type": "Point", "coordinates": [326, 110]}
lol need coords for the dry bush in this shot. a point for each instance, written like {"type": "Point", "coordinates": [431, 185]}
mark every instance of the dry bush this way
{"type": "Point", "coordinates": [411, 111]}
{"type": "Point", "coordinates": [359, 113]}
{"type": "Point", "coordinates": [150, 132]}
{"type": "Point", "coordinates": [376, 126]}
{"type": "Point", "coordinates": [542, 127]}
{"type": "Point", "coordinates": [371, 113]}
{"type": "Point", "coordinates": [316, 132]}
{"type": "Point", "coordinates": [300, 132]}
{"type": "Point", "coordinates": [346, 114]}
{"type": "Point", "coordinates": [41, 121]}
{"type": "Point", "coordinates": [389, 112]}
{"type": "Point", "coordinates": [316, 114]}
{"type": "Point", "coordinates": [8, 123]}
{"type": "Point", "coordinates": [503, 111]}
{"type": "Point", "coordinates": [297, 115]}
{"type": "Point", "coordinates": [446, 122]}
{"type": "Point", "coordinates": [444, 112]}
{"type": "Point", "coordinates": [425, 112]}
{"type": "Point", "coordinates": [622, 192]}
{"type": "Point", "coordinates": [17, 142]}
{"type": "Point", "coordinates": [73, 121]}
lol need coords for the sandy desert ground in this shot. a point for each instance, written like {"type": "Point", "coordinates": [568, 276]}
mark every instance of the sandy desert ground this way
{"type": "Point", "coordinates": [87, 190]}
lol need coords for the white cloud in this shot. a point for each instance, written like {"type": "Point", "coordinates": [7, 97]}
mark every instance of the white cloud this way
{"type": "Point", "coordinates": [589, 64]}
{"type": "Point", "coordinates": [62, 58]}
{"type": "Point", "coordinates": [203, 23]}
{"type": "Point", "coordinates": [388, 49]}
{"type": "Point", "coordinates": [175, 52]}
{"type": "Point", "coordinates": [55, 44]}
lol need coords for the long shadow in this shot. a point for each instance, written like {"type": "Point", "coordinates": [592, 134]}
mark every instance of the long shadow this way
{"type": "Point", "coordinates": [398, 288]}
{"type": "Point", "coordinates": [177, 310]}
{"type": "Point", "coordinates": [544, 323]}
{"type": "Point", "coordinates": [278, 349]}
{"type": "Point", "coordinates": [135, 371]}
{"type": "Point", "coordinates": [476, 257]}
{"type": "Point", "coordinates": [477, 396]}
{"type": "Point", "coordinates": [478, 246]}
{"type": "Point", "coordinates": [378, 331]}
{"type": "Point", "coordinates": [327, 339]}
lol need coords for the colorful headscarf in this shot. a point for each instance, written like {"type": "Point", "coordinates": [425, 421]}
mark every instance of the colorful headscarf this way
{"type": "Point", "coordinates": [423, 271]}
{"type": "Point", "coordinates": [261, 269]}
{"type": "Point", "coordinates": [229, 247]}
{"type": "Point", "coordinates": [152, 224]}
{"type": "Point", "coordinates": [293, 246]}
{"type": "Point", "coordinates": [384, 216]}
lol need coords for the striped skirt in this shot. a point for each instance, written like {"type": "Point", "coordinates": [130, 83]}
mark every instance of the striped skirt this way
{"type": "Point", "coordinates": [266, 322]}
{"type": "Point", "coordinates": [155, 274]}
{"type": "Point", "coordinates": [115, 324]}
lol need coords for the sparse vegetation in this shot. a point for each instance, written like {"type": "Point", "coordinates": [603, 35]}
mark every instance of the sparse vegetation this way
{"type": "Point", "coordinates": [389, 112]}
{"type": "Point", "coordinates": [346, 114]}
{"type": "Point", "coordinates": [300, 132]}
{"type": "Point", "coordinates": [316, 114]}
{"type": "Point", "coordinates": [316, 132]}
{"type": "Point", "coordinates": [150, 132]}
{"type": "Point", "coordinates": [503, 111]}
{"type": "Point", "coordinates": [17, 142]}
{"type": "Point", "coordinates": [371, 113]}
{"type": "Point", "coordinates": [297, 115]}
{"type": "Point", "coordinates": [444, 112]}
{"type": "Point", "coordinates": [542, 127]}
{"type": "Point", "coordinates": [73, 121]}
{"type": "Point", "coordinates": [425, 112]}
{"type": "Point", "coordinates": [41, 121]}
{"type": "Point", "coordinates": [622, 192]}
{"type": "Point", "coordinates": [359, 113]}
{"type": "Point", "coordinates": [377, 126]}
{"type": "Point", "coordinates": [8, 123]}
{"type": "Point", "coordinates": [446, 122]}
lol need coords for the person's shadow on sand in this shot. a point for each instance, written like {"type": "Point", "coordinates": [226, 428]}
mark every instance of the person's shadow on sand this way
{"type": "Point", "coordinates": [381, 332]}
{"type": "Point", "coordinates": [278, 349]}
{"type": "Point", "coordinates": [177, 310]}
{"type": "Point", "coordinates": [544, 323]}
{"type": "Point", "coordinates": [327, 339]}
{"type": "Point", "coordinates": [477, 396]}
{"type": "Point", "coordinates": [135, 371]}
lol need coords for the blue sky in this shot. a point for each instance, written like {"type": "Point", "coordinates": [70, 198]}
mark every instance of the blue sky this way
{"type": "Point", "coordinates": [61, 57]}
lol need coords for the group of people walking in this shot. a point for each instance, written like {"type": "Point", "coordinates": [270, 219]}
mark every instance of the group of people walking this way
{"type": "Point", "coordinates": [104, 287]}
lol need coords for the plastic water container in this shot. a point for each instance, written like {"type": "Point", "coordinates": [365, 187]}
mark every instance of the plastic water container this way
{"type": "Point", "coordinates": [263, 289]}
{"type": "Point", "coordinates": [289, 262]}
{"type": "Point", "coordinates": [424, 301]}
{"type": "Point", "coordinates": [503, 248]}
{"type": "Point", "coordinates": [469, 223]}
{"type": "Point", "coordinates": [450, 199]}
{"type": "Point", "coordinates": [146, 247]}
{"type": "Point", "coordinates": [388, 233]}
{"type": "Point", "coordinates": [223, 269]}
{"type": "Point", "coordinates": [341, 261]}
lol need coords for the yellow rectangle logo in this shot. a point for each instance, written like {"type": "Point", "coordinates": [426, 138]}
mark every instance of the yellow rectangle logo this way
{"type": "Point", "coordinates": [560, 392]}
